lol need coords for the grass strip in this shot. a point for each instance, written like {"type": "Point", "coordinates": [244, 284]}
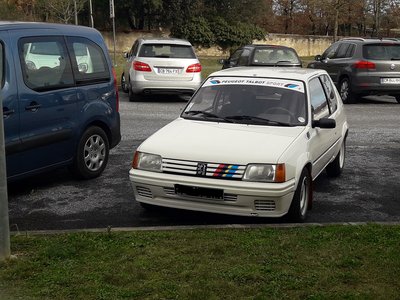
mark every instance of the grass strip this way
{"type": "Point", "coordinates": [333, 262]}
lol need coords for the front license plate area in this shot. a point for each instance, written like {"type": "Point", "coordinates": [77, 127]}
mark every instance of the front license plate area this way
{"type": "Point", "coordinates": [200, 192]}
{"type": "Point", "coordinates": [390, 80]}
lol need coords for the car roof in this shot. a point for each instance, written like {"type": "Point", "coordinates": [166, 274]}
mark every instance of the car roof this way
{"type": "Point", "coordinates": [268, 46]}
{"type": "Point", "coordinates": [165, 41]}
{"type": "Point", "coordinates": [369, 40]}
{"type": "Point", "coordinates": [64, 28]}
{"type": "Point", "coordinates": [302, 74]}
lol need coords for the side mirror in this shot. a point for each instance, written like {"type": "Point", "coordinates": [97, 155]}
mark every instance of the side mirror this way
{"type": "Point", "coordinates": [222, 61]}
{"type": "Point", "coordinates": [126, 55]}
{"type": "Point", "coordinates": [318, 57]}
{"type": "Point", "coordinates": [324, 123]}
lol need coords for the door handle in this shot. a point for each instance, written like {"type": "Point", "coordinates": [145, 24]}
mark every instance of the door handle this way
{"type": "Point", "coordinates": [33, 106]}
{"type": "Point", "coordinates": [7, 112]}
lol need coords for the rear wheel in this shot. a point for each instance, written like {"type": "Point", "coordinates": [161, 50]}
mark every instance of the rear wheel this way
{"type": "Point", "coordinates": [302, 198]}
{"type": "Point", "coordinates": [124, 84]}
{"type": "Point", "coordinates": [334, 169]}
{"type": "Point", "coordinates": [345, 92]}
{"type": "Point", "coordinates": [132, 96]}
{"type": "Point", "coordinates": [92, 153]}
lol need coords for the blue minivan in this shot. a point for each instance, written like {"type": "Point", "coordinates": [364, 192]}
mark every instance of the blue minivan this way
{"type": "Point", "coordinates": [60, 99]}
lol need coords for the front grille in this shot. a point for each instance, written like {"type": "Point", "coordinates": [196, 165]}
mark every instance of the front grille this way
{"type": "Point", "coordinates": [194, 168]}
{"type": "Point", "coordinates": [144, 192]}
{"type": "Point", "coordinates": [227, 197]}
{"type": "Point", "coordinates": [266, 205]}
{"type": "Point", "coordinates": [169, 191]}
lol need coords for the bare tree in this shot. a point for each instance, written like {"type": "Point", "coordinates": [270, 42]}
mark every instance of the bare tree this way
{"type": "Point", "coordinates": [62, 10]}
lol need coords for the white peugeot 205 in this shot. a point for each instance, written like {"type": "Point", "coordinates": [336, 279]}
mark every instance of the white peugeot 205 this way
{"type": "Point", "coordinates": [250, 142]}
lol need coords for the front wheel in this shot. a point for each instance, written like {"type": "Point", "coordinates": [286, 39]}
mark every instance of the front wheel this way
{"type": "Point", "coordinates": [397, 98]}
{"type": "Point", "coordinates": [335, 168]}
{"type": "Point", "coordinates": [302, 198]}
{"type": "Point", "coordinates": [92, 153]}
{"type": "Point", "coordinates": [348, 97]}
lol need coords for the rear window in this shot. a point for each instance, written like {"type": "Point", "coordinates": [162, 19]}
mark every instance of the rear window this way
{"type": "Point", "coordinates": [382, 51]}
{"type": "Point", "coordinates": [272, 56]}
{"type": "Point", "coordinates": [166, 51]}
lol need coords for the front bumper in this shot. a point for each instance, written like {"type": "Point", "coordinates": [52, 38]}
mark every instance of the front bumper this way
{"type": "Point", "coordinates": [240, 197]}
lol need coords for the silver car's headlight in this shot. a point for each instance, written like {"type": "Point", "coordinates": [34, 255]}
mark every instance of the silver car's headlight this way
{"type": "Point", "coordinates": [265, 173]}
{"type": "Point", "coordinates": [147, 161]}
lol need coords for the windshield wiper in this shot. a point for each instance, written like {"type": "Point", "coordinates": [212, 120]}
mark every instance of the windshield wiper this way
{"type": "Point", "coordinates": [258, 120]}
{"type": "Point", "coordinates": [206, 114]}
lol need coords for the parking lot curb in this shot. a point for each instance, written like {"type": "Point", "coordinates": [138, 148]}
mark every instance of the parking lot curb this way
{"type": "Point", "coordinates": [194, 227]}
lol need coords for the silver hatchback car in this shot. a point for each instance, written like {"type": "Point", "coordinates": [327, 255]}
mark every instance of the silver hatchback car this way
{"type": "Point", "coordinates": [160, 66]}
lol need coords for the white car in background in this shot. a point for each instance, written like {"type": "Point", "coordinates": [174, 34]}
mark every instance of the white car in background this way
{"type": "Point", "coordinates": [250, 142]}
{"type": "Point", "coordinates": [160, 66]}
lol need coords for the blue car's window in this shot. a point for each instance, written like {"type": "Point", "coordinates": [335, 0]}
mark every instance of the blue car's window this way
{"type": "Point", "coordinates": [88, 61]}
{"type": "Point", "coordinates": [45, 63]}
{"type": "Point", "coordinates": [1, 65]}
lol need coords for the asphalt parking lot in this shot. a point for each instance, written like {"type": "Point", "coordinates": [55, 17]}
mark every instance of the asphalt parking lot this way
{"type": "Point", "coordinates": [367, 191]}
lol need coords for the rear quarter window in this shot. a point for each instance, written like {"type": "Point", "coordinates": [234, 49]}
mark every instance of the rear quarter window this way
{"type": "Point", "coordinates": [1, 64]}
{"type": "Point", "coordinates": [381, 51]}
{"type": "Point", "coordinates": [166, 51]}
{"type": "Point", "coordinates": [88, 61]}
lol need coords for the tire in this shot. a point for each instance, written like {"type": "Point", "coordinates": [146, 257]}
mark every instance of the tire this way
{"type": "Point", "coordinates": [92, 153]}
{"type": "Point", "coordinates": [397, 98]}
{"type": "Point", "coordinates": [335, 168]}
{"type": "Point", "coordinates": [124, 85]}
{"type": "Point", "coordinates": [132, 96]}
{"type": "Point", "coordinates": [302, 198]}
{"type": "Point", "coordinates": [348, 97]}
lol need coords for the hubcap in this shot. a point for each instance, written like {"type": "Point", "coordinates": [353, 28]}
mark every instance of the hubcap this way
{"type": "Point", "coordinates": [344, 90]}
{"type": "Point", "coordinates": [304, 196]}
{"type": "Point", "coordinates": [94, 152]}
{"type": "Point", "coordinates": [342, 155]}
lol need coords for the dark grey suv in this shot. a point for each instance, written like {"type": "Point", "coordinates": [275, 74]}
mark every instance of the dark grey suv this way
{"type": "Point", "coordinates": [361, 67]}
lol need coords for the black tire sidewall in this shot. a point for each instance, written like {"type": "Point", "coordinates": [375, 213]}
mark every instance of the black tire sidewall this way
{"type": "Point", "coordinates": [80, 168]}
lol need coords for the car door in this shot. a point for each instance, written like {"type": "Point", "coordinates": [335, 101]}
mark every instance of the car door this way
{"type": "Point", "coordinates": [9, 96]}
{"type": "Point", "coordinates": [130, 57]}
{"type": "Point", "coordinates": [47, 101]}
{"type": "Point", "coordinates": [322, 141]}
{"type": "Point", "coordinates": [327, 60]}
{"type": "Point", "coordinates": [233, 60]}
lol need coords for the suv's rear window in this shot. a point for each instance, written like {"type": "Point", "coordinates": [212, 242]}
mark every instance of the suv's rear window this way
{"type": "Point", "coordinates": [166, 51]}
{"type": "Point", "coordinates": [274, 55]}
{"type": "Point", "coordinates": [382, 51]}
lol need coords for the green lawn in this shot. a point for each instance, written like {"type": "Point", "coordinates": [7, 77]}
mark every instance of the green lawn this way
{"type": "Point", "coordinates": [335, 262]}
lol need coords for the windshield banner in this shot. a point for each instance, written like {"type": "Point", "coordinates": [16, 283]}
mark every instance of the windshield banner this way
{"type": "Point", "coordinates": [272, 82]}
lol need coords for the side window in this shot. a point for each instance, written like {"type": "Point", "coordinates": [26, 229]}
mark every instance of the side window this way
{"type": "Point", "coordinates": [1, 65]}
{"type": "Point", "coordinates": [88, 61]}
{"type": "Point", "coordinates": [331, 51]}
{"type": "Point", "coordinates": [341, 53]}
{"type": "Point", "coordinates": [235, 57]}
{"type": "Point", "coordinates": [45, 63]}
{"type": "Point", "coordinates": [330, 92]}
{"type": "Point", "coordinates": [244, 58]}
{"type": "Point", "coordinates": [350, 50]}
{"type": "Point", "coordinates": [319, 104]}
{"type": "Point", "coordinates": [134, 49]}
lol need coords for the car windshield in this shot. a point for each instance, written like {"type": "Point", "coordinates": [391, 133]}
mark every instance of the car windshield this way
{"type": "Point", "coordinates": [268, 56]}
{"type": "Point", "coordinates": [259, 101]}
{"type": "Point", "coordinates": [382, 51]}
{"type": "Point", "coordinates": [166, 51]}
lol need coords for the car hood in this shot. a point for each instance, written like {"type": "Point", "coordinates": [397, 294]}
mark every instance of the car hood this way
{"type": "Point", "coordinates": [220, 142]}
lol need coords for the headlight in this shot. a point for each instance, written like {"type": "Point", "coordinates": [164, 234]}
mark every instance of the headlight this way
{"type": "Point", "coordinates": [265, 173]}
{"type": "Point", "coordinates": [147, 161]}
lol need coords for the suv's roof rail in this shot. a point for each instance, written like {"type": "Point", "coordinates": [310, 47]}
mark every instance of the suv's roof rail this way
{"type": "Point", "coordinates": [353, 38]}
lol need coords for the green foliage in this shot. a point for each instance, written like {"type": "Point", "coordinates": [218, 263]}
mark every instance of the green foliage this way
{"type": "Point", "coordinates": [200, 31]}
{"type": "Point", "coordinates": [197, 30]}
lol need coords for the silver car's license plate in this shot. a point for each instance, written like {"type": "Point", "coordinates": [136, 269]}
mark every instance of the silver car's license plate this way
{"type": "Point", "coordinates": [390, 80]}
{"type": "Point", "coordinates": [167, 71]}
